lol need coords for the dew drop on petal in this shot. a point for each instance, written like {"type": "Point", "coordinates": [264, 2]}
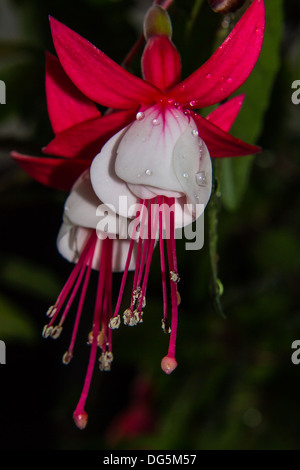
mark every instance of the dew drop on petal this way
{"type": "Point", "coordinates": [201, 178]}
{"type": "Point", "coordinates": [195, 132]}
{"type": "Point", "coordinates": [192, 103]}
{"type": "Point", "coordinates": [140, 115]}
{"type": "Point", "coordinates": [185, 175]}
{"type": "Point", "coordinates": [229, 80]}
{"type": "Point", "coordinates": [168, 364]}
{"type": "Point", "coordinates": [208, 75]}
{"type": "Point", "coordinates": [155, 122]}
{"type": "Point", "coordinates": [148, 172]}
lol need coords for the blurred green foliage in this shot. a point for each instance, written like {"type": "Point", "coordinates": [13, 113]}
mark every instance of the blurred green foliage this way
{"type": "Point", "coordinates": [235, 386]}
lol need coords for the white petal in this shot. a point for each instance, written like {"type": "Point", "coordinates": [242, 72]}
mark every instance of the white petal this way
{"type": "Point", "coordinates": [71, 241]}
{"type": "Point", "coordinates": [106, 184]}
{"type": "Point", "coordinates": [84, 209]}
{"type": "Point", "coordinates": [81, 205]}
{"type": "Point", "coordinates": [145, 151]}
{"type": "Point", "coordinates": [141, 191]}
{"type": "Point", "coordinates": [192, 164]}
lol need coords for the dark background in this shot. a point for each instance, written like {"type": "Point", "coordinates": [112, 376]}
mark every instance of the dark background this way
{"type": "Point", "coordinates": [235, 386]}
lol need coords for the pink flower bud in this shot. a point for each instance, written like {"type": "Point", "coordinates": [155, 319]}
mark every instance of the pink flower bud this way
{"type": "Point", "coordinates": [157, 22]}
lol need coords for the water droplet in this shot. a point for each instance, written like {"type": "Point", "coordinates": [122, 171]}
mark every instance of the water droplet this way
{"type": "Point", "coordinates": [192, 103]}
{"type": "Point", "coordinates": [201, 178]}
{"type": "Point", "coordinates": [139, 175]}
{"type": "Point", "coordinates": [148, 172]}
{"type": "Point", "coordinates": [176, 104]}
{"type": "Point", "coordinates": [185, 175]}
{"type": "Point", "coordinates": [155, 122]}
{"type": "Point", "coordinates": [229, 80]}
{"type": "Point", "coordinates": [208, 75]}
{"type": "Point", "coordinates": [195, 132]}
{"type": "Point", "coordinates": [140, 115]}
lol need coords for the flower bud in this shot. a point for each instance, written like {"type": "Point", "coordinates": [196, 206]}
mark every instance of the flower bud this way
{"type": "Point", "coordinates": [225, 6]}
{"type": "Point", "coordinates": [157, 22]}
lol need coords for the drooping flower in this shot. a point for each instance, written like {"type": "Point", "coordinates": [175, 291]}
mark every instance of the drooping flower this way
{"type": "Point", "coordinates": [81, 242]}
{"type": "Point", "coordinates": [151, 147]}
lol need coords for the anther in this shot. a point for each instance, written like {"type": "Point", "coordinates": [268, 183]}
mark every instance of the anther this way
{"type": "Point", "coordinates": [47, 331]}
{"type": "Point", "coordinates": [105, 361]}
{"type": "Point", "coordinates": [174, 276]}
{"type": "Point", "coordinates": [51, 311]}
{"type": "Point", "coordinates": [90, 338]}
{"type": "Point", "coordinates": [101, 339]}
{"type": "Point", "coordinates": [165, 325]}
{"type": "Point", "coordinates": [138, 315]}
{"type": "Point", "coordinates": [130, 318]}
{"type": "Point", "coordinates": [56, 332]}
{"type": "Point", "coordinates": [67, 357]}
{"type": "Point", "coordinates": [115, 322]}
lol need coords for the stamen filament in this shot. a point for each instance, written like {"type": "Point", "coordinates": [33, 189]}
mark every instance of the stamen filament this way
{"type": "Point", "coordinates": [162, 262]}
{"type": "Point", "coordinates": [126, 269]}
{"type": "Point", "coordinates": [105, 260]}
{"type": "Point", "coordinates": [71, 280]}
{"type": "Point", "coordinates": [172, 261]}
{"type": "Point", "coordinates": [152, 229]}
{"type": "Point", "coordinates": [82, 298]}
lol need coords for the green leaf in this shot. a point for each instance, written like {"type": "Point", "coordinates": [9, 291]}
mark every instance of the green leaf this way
{"type": "Point", "coordinates": [14, 323]}
{"type": "Point", "coordinates": [235, 172]}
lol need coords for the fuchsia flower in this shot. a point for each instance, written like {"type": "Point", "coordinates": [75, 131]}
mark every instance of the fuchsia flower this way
{"type": "Point", "coordinates": [151, 147]}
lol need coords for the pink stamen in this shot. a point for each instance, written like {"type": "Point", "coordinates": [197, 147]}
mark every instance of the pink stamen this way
{"type": "Point", "coordinates": [126, 269]}
{"type": "Point", "coordinates": [81, 300]}
{"type": "Point", "coordinates": [152, 229]}
{"type": "Point", "coordinates": [140, 257]}
{"type": "Point", "coordinates": [172, 261]}
{"type": "Point", "coordinates": [106, 257]}
{"type": "Point", "coordinates": [82, 261]}
{"type": "Point", "coordinates": [162, 262]}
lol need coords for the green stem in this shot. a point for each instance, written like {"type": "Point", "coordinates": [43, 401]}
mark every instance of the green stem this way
{"type": "Point", "coordinates": [213, 211]}
{"type": "Point", "coordinates": [193, 18]}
